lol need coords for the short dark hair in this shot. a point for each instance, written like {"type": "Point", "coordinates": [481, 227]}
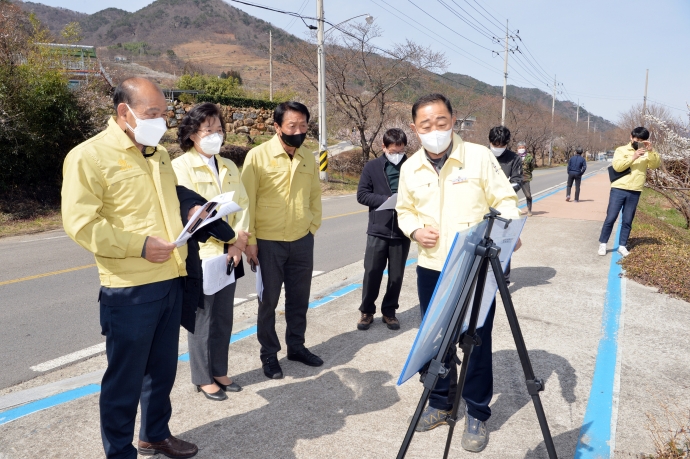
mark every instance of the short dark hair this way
{"type": "Point", "coordinates": [579, 150]}
{"type": "Point", "coordinates": [123, 93]}
{"type": "Point", "coordinates": [284, 107]}
{"type": "Point", "coordinates": [640, 133]}
{"type": "Point", "coordinates": [193, 120]}
{"type": "Point", "coordinates": [394, 136]}
{"type": "Point", "coordinates": [430, 99]}
{"type": "Point", "coordinates": [499, 135]}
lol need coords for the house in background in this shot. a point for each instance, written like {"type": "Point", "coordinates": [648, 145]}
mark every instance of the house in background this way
{"type": "Point", "coordinates": [79, 62]}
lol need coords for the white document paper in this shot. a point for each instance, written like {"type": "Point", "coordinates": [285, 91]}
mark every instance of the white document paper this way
{"type": "Point", "coordinates": [390, 203]}
{"type": "Point", "coordinates": [220, 206]}
{"type": "Point", "coordinates": [215, 274]}
{"type": "Point", "coordinates": [259, 283]}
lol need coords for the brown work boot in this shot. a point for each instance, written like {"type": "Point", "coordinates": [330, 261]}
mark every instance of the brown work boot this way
{"type": "Point", "coordinates": [171, 447]}
{"type": "Point", "coordinates": [391, 322]}
{"type": "Point", "coordinates": [365, 321]}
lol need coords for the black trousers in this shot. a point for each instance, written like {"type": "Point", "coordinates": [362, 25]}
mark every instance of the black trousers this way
{"type": "Point", "coordinates": [379, 252]}
{"type": "Point", "coordinates": [209, 344]}
{"type": "Point", "coordinates": [142, 328]}
{"type": "Point", "coordinates": [479, 384]}
{"type": "Point", "coordinates": [292, 264]}
{"type": "Point", "coordinates": [527, 190]}
{"type": "Point", "coordinates": [577, 179]}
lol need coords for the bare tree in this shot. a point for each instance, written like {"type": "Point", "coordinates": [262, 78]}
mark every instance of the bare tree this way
{"type": "Point", "coordinates": [361, 78]}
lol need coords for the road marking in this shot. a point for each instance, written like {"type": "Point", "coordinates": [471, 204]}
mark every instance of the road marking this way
{"type": "Point", "coordinates": [597, 435]}
{"type": "Point", "coordinates": [52, 273]}
{"type": "Point", "coordinates": [345, 215]}
{"type": "Point", "coordinates": [43, 239]}
{"type": "Point", "coordinates": [239, 300]}
{"type": "Point", "coordinates": [74, 356]}
{"type": "Point", "coordinates": [73, 394]}
{"type": "Point", "coordinates": [316, 273]}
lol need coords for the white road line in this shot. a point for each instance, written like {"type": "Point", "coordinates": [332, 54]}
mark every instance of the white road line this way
{"type": "Point", "coordinates": [252, 295]}
{"type": "Point", "coordinates": [74, 356]}
{"type": "Point", "coordinates": [44, 239]}
{"type": "Point", "coordinates": [240, 300]}
{"type": "Point", "coordinates": [316, 273]}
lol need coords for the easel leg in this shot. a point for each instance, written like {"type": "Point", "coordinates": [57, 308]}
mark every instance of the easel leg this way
{"type": "Point", "coordinates": [534, 386]}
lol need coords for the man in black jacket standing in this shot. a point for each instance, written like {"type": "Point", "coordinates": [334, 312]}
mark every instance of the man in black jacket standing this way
{"type": "Point", "coordinates": [386, 243]}
{"type": "Point", "coordinates": [511, 163]}
{"type": "Point", "coordinates": [577, 165]}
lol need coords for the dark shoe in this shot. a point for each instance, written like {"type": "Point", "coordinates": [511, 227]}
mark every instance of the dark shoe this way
{"type": "Point", "coordinates": [365, 321]}
{"type": "Point", "coordinates": [215, 396]}
{"type": "Point", "coordinates": [567, 198]}
{"type": "Point", "coordinates": [271, 367]}
{"type": "Point", "coordinates": [475, 437]}
{"type": "Point", "coordinates": [232, 387]}
{"type": "Point", "coordinates": [432, 418]}
{"type": "Point", "coordinates": [171, 447]}
{"type": "Point", "coordinates": [305, 357]}
{"type": "Point", "coordinates": [391, 322]}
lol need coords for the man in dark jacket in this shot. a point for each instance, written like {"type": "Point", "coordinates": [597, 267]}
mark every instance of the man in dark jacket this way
{"type": "Point", "coordinates": [386, 243]}
{"type": "Point", "coordinates": [510, 162]}
{"type": "Point", "coordinates": [577, 165]}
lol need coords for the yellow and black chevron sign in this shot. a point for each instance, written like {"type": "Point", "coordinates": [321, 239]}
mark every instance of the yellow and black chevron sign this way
{"type": "Point", "coordinates": [323, 161]}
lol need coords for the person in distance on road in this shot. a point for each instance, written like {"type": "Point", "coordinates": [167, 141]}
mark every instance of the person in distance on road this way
{"type": "Point", "coordinates": [528, 165]}
{"type": "Point", "coordinates": [201, 169]}
{"type": "Point", "coordinates": [386, 244]}
{"type": "Point", "coordinates": [446, 187]}
{"type": "Point", "coordinates": [577, 165]}
{"type": "Point", "coordinates": [634, 158]}
{"type": "Point", "coordinates": [119, 202]}
{"type": "Point", "coordinates": [282, 182]}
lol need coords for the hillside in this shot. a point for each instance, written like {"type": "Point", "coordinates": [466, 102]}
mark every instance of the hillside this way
{"type": "Point", "coordinates": [169, 36]}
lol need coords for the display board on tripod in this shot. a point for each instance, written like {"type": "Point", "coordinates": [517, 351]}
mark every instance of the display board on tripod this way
{"type": "Point", "coordinates": [450, 284]}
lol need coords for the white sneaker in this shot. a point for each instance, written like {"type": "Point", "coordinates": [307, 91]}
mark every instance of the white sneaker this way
{"type": "Point", "coordinates": [623, 251]}
{"type": "Point", "coordinates": [602, 249]}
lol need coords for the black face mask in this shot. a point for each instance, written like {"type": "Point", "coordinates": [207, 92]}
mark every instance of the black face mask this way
{"type": "Point", "coordinates": [293, 140]}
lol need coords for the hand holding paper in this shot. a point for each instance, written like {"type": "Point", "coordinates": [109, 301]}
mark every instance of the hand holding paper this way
{"type": "Point", "coordinates": [390, 203]}
{"type": "Point", "coordinates": [218, 207]}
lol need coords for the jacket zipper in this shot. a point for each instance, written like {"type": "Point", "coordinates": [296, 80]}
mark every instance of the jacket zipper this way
{"type": "Point", "coordinates": [390, 190]}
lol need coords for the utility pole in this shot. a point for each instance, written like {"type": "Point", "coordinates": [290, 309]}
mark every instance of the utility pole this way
{"type": "Point", "coordinates": [553, 112]}
{"type": "Point", "coordinates": [644, 102]}
{"type": "Point", "coordinates": [505, 79]}
{"type": "Point", "coordinates": [270, 65]}
{"type": "Point", "coordinates": [323, 145]}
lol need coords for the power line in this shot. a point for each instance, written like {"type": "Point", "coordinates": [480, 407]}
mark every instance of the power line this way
{"type": "Point", "coordinates": [499, 23]}
{"type": "Point", "coordinates": [293, 20]}
{"type": "Point", "coordinates": [500, 26]}
{"type": "Point", "coordinates": [492, 33]}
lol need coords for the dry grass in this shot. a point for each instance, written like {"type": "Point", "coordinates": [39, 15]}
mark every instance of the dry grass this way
{"type": "Point", "coordinates": [45, 219]}
{"type": "Point", "coordinates": [671, 436]}
{"type": "Point", "coordinates": [661, 247]}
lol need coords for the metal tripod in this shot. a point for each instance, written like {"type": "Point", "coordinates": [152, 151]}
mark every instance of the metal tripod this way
{"type": "Point", "coordinates": [485, 254]}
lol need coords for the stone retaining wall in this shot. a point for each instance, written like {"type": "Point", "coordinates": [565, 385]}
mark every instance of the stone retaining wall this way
{"type": "Point", "coordinates": [252, 121]}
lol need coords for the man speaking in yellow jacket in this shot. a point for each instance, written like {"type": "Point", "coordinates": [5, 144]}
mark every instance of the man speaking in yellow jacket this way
{"type": "Point", "coordinates": [119, 202]}
{"type": "Point", "coordinates": [446, 187]}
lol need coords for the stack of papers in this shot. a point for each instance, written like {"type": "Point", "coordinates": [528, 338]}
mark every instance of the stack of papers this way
{"type": "Point", "coordinates": [218, 207]}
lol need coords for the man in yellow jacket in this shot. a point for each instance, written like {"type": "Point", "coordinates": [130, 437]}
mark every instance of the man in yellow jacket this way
{"type": "Point", "coordinates": [446, 187]}
{"type": "Point", "coordinates": [282, 183]}
{"type": "Point", "coordinates": [633, 159]}
{"type": "Point", "coordinates": [119, 202]}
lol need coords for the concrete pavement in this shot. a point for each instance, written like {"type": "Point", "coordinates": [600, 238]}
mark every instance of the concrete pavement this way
{"type": "Point", "coordinates": [351, 407]}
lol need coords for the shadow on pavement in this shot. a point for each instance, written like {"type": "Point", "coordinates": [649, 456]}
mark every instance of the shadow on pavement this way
{"type": "Point", "coordinates": [304, 410]}
{"type": "Point", "coordinates": [339, 349]}
{"type": "Point", "coordinates": [509, 382]}
{"type": "Point", "coordinates": [530, 276]}
{"type": "Point", "coordinates": [565, 444]}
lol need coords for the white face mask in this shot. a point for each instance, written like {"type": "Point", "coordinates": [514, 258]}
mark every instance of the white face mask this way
{"type": "Point", "coordinates": [211, 144]}
{"type": "Point", "coordinates": [395, 158]}
{"type": "Point", "coordinates": [522, 151]}
{"type": "Point", "coordinates": [436, 142]}
{"type": "Point", "coordinates": [497, 151]}
{"type": "Point", "coordinates": [148, 132]}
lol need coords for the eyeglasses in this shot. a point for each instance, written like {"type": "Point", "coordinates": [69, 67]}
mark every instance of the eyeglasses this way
{"type": "Point", "coordinates": [210, 131]}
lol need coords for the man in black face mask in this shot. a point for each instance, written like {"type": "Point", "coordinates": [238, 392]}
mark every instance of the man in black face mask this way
{"type": "Point", "coordinates": [282, 182]}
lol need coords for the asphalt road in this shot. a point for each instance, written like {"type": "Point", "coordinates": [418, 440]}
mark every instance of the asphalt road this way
{"type": "Point", "coordinates": [49, 285]}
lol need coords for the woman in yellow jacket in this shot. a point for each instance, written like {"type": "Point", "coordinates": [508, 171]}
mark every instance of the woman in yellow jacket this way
{"type": "Point", "coordinates": [202, 169]}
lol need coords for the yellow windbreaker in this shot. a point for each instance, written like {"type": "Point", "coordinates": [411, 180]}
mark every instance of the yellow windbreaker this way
{"type": "Point", "coordinates": [112, 198]}
{"type": "Point", "coordinates": [193, 172]}
{"type": "Point", "coordinates": [284, 195]}
{"type": "Point", "coordinates": [634, 181]}
{"type": "Point", "coordinates": [470, 182]}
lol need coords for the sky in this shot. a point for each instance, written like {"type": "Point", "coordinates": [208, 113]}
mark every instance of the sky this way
{"type": "Point", "coordinates": [598, 50]}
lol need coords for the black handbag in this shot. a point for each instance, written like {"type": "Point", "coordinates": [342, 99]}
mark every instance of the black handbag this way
{"type": "Point", "coordinates": [615, 175]}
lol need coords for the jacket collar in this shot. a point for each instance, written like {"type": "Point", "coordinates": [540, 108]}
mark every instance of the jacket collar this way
{"type": "Point", "coordinates": [123, 139]}
{"type": "Point", "coordinates": [195, 159]}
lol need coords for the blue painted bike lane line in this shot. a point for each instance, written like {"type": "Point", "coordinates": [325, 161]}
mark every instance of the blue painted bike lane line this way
{"type": "Point", "coordinates": [597, 435]}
